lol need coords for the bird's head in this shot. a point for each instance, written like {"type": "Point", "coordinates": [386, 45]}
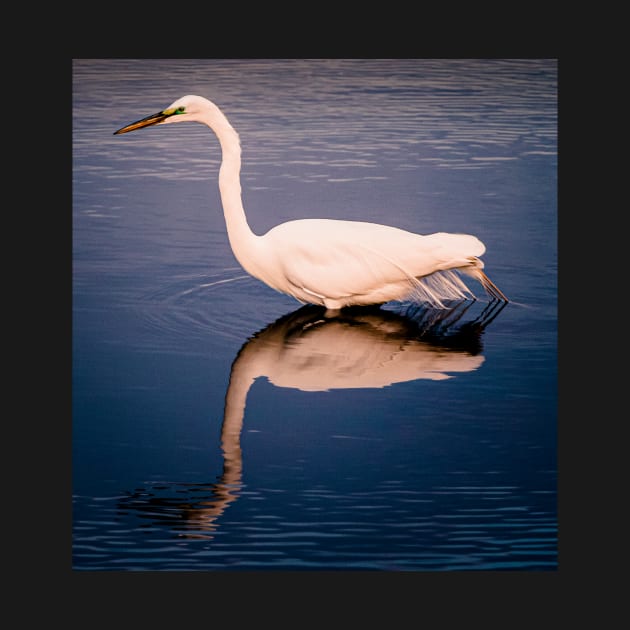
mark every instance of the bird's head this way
{"type": "Point", "coordinates": [186, 108]}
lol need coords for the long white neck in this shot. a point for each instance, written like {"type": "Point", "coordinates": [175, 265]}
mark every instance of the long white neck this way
{"type": "Point", "coordinates": [242, 240]}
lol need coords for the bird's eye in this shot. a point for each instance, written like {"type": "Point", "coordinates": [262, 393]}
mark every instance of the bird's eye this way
{"type": "Point", "coordinates": [180, 110]}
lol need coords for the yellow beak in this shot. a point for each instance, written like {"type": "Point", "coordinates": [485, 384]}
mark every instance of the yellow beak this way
{"type": "Point", "coordinates": [153, 119]}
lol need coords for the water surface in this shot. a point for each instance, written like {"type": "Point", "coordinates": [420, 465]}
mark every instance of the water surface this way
{"type": "Point", "coordinates": [218, 426]}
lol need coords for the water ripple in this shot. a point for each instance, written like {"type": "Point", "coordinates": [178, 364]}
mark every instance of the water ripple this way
{"type": "Point", "coordinates": [413, 114]}
{"type": "Point", "coordinates": [192, 527]}
{"type": "Point", "coordinates": [183, 307]}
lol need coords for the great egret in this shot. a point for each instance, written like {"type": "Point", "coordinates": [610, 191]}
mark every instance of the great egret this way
{"type": "Point", "coordinates": [333, 263]}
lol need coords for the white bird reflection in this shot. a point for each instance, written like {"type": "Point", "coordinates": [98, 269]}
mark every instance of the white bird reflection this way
{"type": "Point", "coordinates": [305, 350]}
{"type": "Point", "coordinates": [361, 348]}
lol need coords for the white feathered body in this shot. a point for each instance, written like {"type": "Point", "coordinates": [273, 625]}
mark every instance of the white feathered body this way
{"type": "Point", "coordinates": [342, 263]}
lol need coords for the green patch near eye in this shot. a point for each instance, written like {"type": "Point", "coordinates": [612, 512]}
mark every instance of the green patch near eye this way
{"type": "Point", "coordinates": [171, 110]}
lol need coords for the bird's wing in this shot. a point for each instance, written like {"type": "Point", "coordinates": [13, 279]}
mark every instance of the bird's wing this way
{"type": "Point", "coordinates": [338, 259]}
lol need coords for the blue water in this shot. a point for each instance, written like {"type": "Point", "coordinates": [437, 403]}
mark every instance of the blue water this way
{"type": "Point", "coordinates": [218, 426]}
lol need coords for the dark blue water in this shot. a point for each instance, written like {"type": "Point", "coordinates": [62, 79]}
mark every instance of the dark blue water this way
{"type": "Point", "coordinates": [218, 426]}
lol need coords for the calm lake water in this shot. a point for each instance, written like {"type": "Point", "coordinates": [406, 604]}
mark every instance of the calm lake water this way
{"type": "Point", "coordinates": [219, 426]}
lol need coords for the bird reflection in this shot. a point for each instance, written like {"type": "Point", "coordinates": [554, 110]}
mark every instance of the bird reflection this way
{"type": "Point", "coordinates": [310, 351]}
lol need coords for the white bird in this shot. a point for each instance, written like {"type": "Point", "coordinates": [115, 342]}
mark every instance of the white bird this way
{"type": "Point", "coordinates": [333, 263]}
